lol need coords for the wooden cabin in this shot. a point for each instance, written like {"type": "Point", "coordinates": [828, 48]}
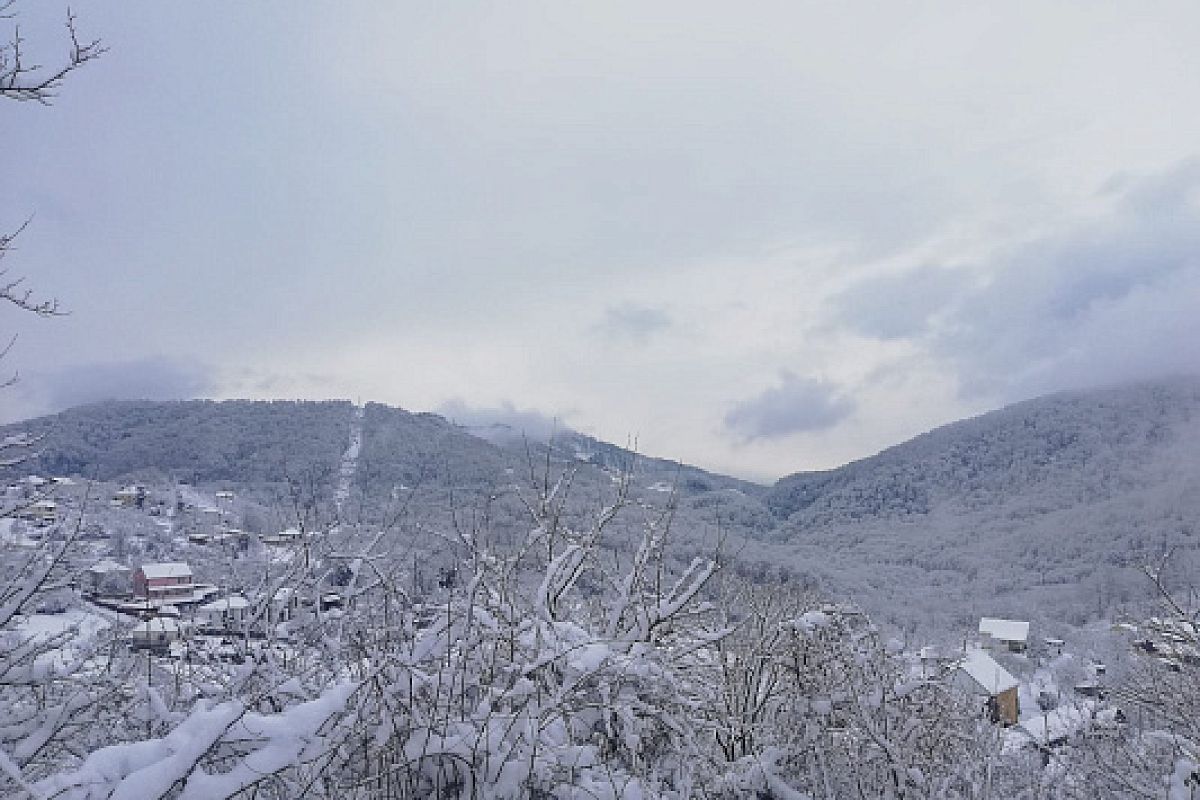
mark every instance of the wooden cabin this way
{"type": "Point", "coordinates": [978, 674]}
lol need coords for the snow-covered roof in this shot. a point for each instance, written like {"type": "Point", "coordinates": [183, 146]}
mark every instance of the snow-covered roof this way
{"type": "Point", "coordinates": [283, 594]}
{"type": "Point", "coordinates": [106, 566]}
{"type": "Point", "coordinates": [931, 652]}
{"type": "Point", "coordinates": [226, 604]}
{"type": "Point", "coordinates": [1006, 630]}
{"type": "Point", "coordinates": [985, 672]}
{"type": "Point", "coordinates": [169, 569]}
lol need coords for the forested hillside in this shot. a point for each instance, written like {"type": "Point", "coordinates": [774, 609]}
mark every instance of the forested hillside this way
{"type": "Point", "coordinates": [1054, 452]}
{"type": "Point", "coordinates": [1039, 509]}
{"type": "Point", "coordinates": [193, 441]}
{"type": "Point", "coordinates": [1043, 509]}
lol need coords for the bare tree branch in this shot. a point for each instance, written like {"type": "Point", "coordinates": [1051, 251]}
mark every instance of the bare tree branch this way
{"type": "Point", "coordinates": [24, 81]}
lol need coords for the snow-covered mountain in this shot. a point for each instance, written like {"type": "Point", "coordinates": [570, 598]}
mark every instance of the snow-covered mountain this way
{"type": "Point", "coordinates": [1043, 509]}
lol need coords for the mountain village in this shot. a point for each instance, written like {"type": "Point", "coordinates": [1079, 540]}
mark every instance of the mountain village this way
{"type": "Point", "coordinates": [186, 609]}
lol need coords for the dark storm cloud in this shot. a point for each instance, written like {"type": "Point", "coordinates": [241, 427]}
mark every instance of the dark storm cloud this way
{"type": "Point", "coordinates": [796, 405]}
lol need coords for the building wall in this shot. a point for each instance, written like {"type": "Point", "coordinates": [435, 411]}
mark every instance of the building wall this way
{"type": "Point", "coordinates": [161, 587]}
{"type": "Point", "coordinates": [1006, 706]}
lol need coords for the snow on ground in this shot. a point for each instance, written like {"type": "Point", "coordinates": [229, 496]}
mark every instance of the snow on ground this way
{"type": "Point", "coordinates": [349, 463]}
{"type": "Point", "coordinates": [1042, 680]}
{"type": "Point", "coordinates": [48, 625]}
{"type": "Point", "coordinates": [280, 555]}
{"type": "Point", "coordinates": [10, 537]}
{"type": "Point", "coordinates": [86, 622]}
{"type": "Point", "coordinates": [1058, 724]}
{"type": "Point", "coordinates": [1047, 678]}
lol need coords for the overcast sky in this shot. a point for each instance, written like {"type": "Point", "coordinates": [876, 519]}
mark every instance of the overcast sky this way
{"type": "Point", "coordinates": [758, 237]}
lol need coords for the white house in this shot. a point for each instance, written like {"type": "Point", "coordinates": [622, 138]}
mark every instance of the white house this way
{"type": "Point", "coordinates": [228, 613]}
{"type": "Point", "coordinates": [156, 632]}
{"type": "Point", "coordinates": [1008, 634]}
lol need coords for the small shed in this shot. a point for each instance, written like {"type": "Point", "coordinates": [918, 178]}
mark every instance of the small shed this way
{"type": "Point", "coordinates": [42, 512]}
{"type": "Point", "coordinates": [33, 483]}
{"type": "Point", "coordinates": [1004, 634]}
{"type": "Point", "coordinates": [978, 674]}
{"type": "Point", "coordinates": [132, 496]}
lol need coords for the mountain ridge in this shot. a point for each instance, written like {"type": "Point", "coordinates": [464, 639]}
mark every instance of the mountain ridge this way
{"type": "Point", "coordinates": [1044, 507]}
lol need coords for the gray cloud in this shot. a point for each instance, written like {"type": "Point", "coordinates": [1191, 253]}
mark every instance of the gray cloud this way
{"type": "Point", "coordinates": [633, 322]}
{"type": "Point", "coordinates": [796, 405]}
{"type": "Point", "coordinates": [451, 175]}
{"type": "Point", "coordinates": [151, 378]}
{"type": "Point", "coordinates": [501, 423]}
{"type": "Point", "coordinates": [898, 306]}
{"type": "Point", "coordinates": [1107, 302]}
